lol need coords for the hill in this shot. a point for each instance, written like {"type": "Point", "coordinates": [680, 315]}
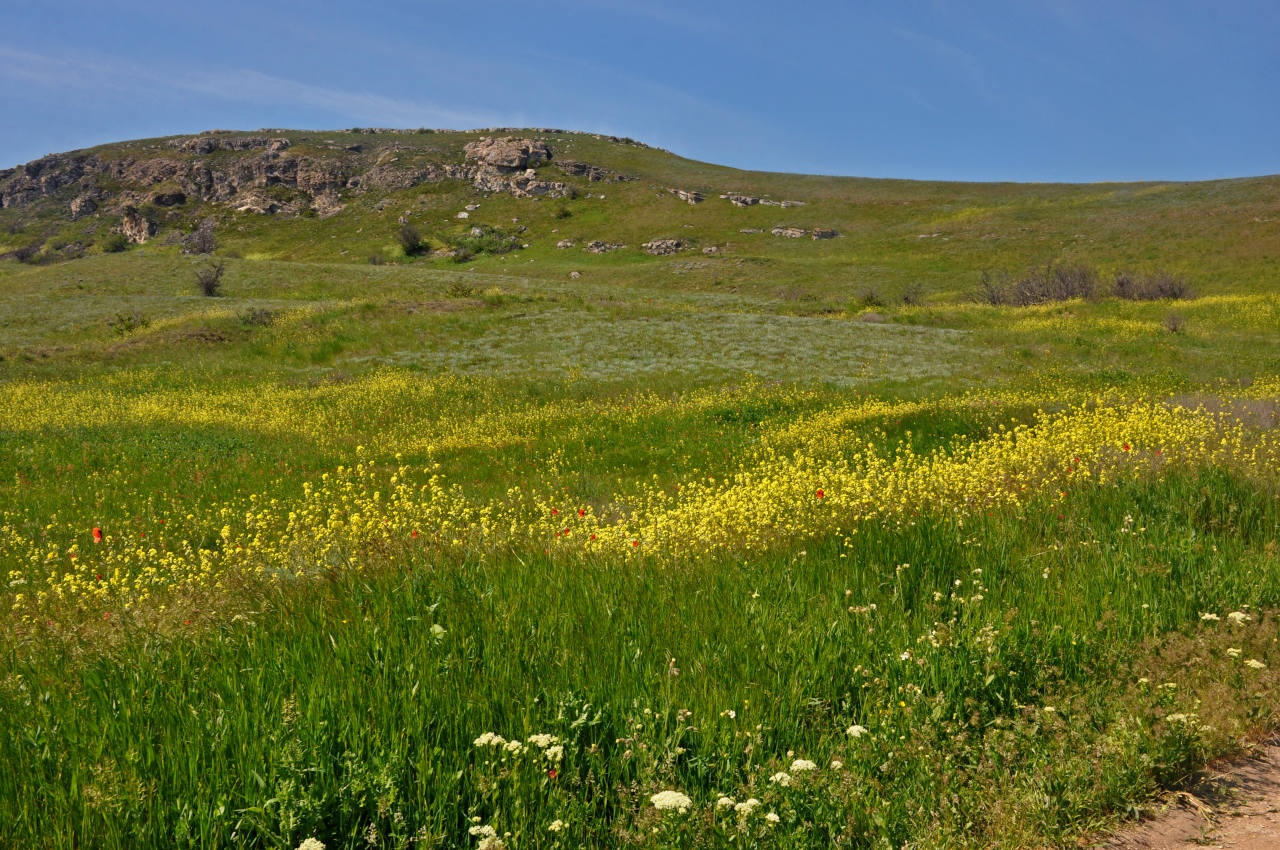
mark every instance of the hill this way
{"type": "Point", "coordinates": [528, 489]}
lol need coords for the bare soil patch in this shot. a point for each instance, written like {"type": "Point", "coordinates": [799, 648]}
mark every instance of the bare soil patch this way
{"type": "Point", "coordinates": [1236, 807]}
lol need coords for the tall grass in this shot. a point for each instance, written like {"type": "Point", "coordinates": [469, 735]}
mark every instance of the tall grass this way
{"type": "Point", "coordinates": [988, 659]}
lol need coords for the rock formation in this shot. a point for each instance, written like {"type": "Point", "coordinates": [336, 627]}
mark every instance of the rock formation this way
{"type": "Point", "coordinates": [664, 247]}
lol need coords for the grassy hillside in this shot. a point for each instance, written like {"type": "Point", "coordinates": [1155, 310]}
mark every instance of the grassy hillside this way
{"type": "Point", "coordinates": [800, 543]}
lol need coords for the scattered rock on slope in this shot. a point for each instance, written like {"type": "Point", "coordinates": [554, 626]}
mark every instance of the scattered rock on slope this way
{"type": "Point", "coordinates": [664, 247]}
{"type": "Point", "coordinates": [688, 195]}
{"type": "Point", "coordinates": [595, 246]}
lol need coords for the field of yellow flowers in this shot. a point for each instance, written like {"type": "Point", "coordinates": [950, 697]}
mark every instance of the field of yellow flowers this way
{"type": "Point", "coordinates": [412, 611]}
{"type": "Point", "coordinates": [363, 562]}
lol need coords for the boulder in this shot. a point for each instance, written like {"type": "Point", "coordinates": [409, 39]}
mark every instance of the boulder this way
{"type": "Point", "coordinates": [136, 227]}
{"type": "Point", "coordinates": [595, 246]}
{"type": "Point", "coordinates": [824, 233]}
{"type": "Point", "coordinates": [741, 200]}
{"type": "Point", "coordinates": [565, 243]}
{"type": "Point", "coordinates": [789, 232]}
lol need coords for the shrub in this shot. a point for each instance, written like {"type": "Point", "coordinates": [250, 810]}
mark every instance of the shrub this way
{"type": "Point", "coordinates": [1175, 322]}
{"type": "Point", "coordinates": [484, 240]}
{"type": "Point", "coordinates": [1042, 286]}
{"type": "Point", "coordinates": [1155, 287]}
{"type": "Point", "coordinates": [459, 289]}
{"type": "Point", "coordinates": [209, 279]}
{"type": "Point", "coordinates": [376, 260]}
{"type": "Point", "coordinates": [913, 295]}
{"type": "Point", "coordinates": [871, 298]}
{"type": "Point", "coordinates": [124, 323]}
{"type": "Point", "coordinates": [563, 212]}
{"type": "Point", "coordinates": [114, 243]}
{"type": "Point", "coordinates": [410, 240]}
{"type": "Point", "coordinates": [257, 316]}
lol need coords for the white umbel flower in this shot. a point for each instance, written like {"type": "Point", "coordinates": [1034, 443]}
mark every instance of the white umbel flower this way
{"type": "Point", "coordinates": [856, 731]}
{"type": "Point", "coordinates": [311, 844]}
{"type": "Point", "coordinates": [801, 765]}
{"type": "Point", "coordinates": [671, 801]}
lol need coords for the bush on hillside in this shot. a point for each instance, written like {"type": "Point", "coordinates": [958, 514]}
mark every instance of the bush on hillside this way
{"type": "Point", "coordinates": [1154, 287]}
{"type": "Point", "coordinates": [1054, 282]}
{"type": "Point", "coordinates": [410, 240]}
{"type": "Point", "coordinates": [209, 279]}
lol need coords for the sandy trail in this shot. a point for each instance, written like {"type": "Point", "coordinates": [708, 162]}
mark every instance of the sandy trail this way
{"type": "Point", "coordinates": [1237, 807]}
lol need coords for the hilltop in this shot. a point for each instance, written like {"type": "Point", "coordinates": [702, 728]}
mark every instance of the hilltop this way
{"type": "Point", "coordinates": [554, 202]}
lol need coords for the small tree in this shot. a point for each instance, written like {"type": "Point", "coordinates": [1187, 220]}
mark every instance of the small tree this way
{"type": "Point", "coordinates": [410, 239]}
{"type": "Point", "coordinates": [209, 278]}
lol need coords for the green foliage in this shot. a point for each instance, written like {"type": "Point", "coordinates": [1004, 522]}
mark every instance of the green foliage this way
{"type": "Point", "coordinates": [114, 243]}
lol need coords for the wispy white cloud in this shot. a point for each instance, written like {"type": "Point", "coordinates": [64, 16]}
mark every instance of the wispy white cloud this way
{"type": "Point", "coordinates": [231, 85]}
{"type": "Point", "coordinates": [244, 85]}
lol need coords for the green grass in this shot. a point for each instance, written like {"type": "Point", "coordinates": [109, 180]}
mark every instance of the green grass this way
{"type": "Point", "coordinates": [1026, 675]}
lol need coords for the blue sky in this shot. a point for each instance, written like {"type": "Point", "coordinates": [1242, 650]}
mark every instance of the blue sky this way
{"type": "Point", "coordinates": [1049, 90]}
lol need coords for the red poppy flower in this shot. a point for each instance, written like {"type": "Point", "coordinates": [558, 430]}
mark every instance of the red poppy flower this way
{"type": "Point", "coordinates": [819, 494]}
{"type": "Point", "coordinates": [581, 512]}
{"type": "Point", "coordinates": [415, 534]}
{"type": "Point", "coordinates": [97, 534]}
{"type": "Point", "coordinates": [1126, 447]}
{"type": "Point", "coordinates": [554, 512]}
{"type": "Point", "coordinates": [635, 542]}
{"type": "Point", "coordinates": [553, 773]}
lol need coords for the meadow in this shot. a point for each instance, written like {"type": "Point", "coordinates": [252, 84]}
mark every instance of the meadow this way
{"type": "Point", "coordinates": [420, 555]}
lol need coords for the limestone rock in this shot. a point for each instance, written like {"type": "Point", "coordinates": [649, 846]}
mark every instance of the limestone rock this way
{"type": "Point", "coordinates": [688, 196]}
{"type": "Point", "coordinates": [136, 227]}
{"type": "Point", "coordinates": [169, 199]}
{"type": "Point", "coordinates": [595, 246]}
{"type": "Point", "coordinates": [327, 204]}
{"type": "Point", "coordinates": [741, 200]}
{"type": "Point", "coordinates": [575, 275]}
{"type": "Point", "coordinates": [789, 232]}
{"type": "Point", "coordinates": [565, 243]}
{"type": "Point", "coordinates": [83, 205]}
{"type": "Point", "coordinates": [664, 247]}
{"type": "Point", "coordinates": [824, 233]}
{"type": "Point", "coordinates": [507, 154]}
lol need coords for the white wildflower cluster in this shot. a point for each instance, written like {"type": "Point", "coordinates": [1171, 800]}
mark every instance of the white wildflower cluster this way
{"type": "Point", "coordinates": [1233, 652]}
{"type": "Point", "coordinates": [665, 801]}
{"type": "Point", "coordinates": [856, 731]}
{"type": "Point", "coordinates": [837, 765]}
{"type": "Point", "coordinates": [554, 753]}
{"type": "Point", "coordinates": [1209, 617]}
{"type": "Point", "coordinates": [488, 739]}
{"type": "Point", "coordinates": [746, 807]}
{"type": "Point", "coordinates": [488, 836]}
{"type": "Point", "coordinates": [724, 803]}
{"type": "Point", "coordinates": [1255, 664]}
{"type": "Point", "coordinates": [781, 778]}
{"type": "Point", "coordinates": [772, 817]}
{"type": "Point", "coordinates": [557, 825]}
{"type": "Point", "coordinates": [515, 747]}
{"type": "Point", "coordinates": [542, 741]}
{"type": "Point", "coordinates": [801, 765]}
{"type": "Point", "coordinates": [311, 844]}
{"type": "Point", "coordinates": [1239, 618]}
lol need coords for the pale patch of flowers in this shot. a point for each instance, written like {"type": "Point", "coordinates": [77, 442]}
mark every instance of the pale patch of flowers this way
{"type": "Point", "coordinates": [667, 801]}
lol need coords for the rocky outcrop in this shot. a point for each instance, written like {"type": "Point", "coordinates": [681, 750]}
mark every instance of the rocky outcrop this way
{"type": "Point", "coordinates": [503, 165]}
{"type": "Point", "coordinates": [169, 199]}
{"type": "Point", "coordinates": [327, 204]}
{"type": "Point", "coordinates": [565, 243]}
{"type": "Point", "coordinates": [507, 155]}
{"type": "Point", "coordinates": [136, 227]}
{"type": "Point", "coordinates": [84, 204]}
{"type": "Point", "coordinates": [789, 232]}
{"type": "Point", "coordinates": [688, 196]}
{"type": "Point", "coordinates": [664, 247]}
{"type": "Point", "coordinates": [595, 246]}
{"type": "Point", "coordinates": [202, 145]}
{"type": "Point", "coordinates": [593, 173]}
{"type": "Point", "coordinates": [824, 233]}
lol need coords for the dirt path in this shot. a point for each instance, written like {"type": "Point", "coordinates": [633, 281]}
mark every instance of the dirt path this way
{"type": "Point", "coordinates": [1236, 808]}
